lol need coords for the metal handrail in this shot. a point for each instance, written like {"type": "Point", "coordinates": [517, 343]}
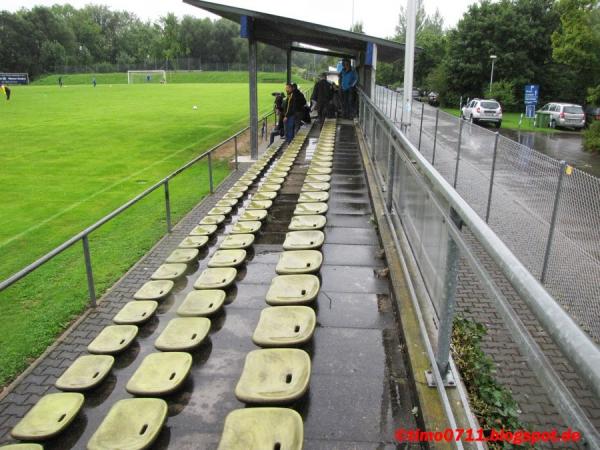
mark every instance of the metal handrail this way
{"type": "Point", "coordinates": [83, 235]}
{"type": "Point", "coordinates": [573, 342]}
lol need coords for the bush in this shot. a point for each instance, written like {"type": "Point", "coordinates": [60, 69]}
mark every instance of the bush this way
{"type": "Point", "coordinates": [504, 92]}
{"type": "Point", "coordinates": [591, 137]}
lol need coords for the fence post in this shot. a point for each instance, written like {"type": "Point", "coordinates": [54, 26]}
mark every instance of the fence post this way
{"type": "Point", "coordinates": [210, 175]}
{"type": "Point", "coordinates": [235, 145]}
{"type": "Point", "coordinates": [460, 128]}
{"type": "Point", "coordinates": [563, 167]}
{"type": "Point", "coordinates": [396, 107]}
{"type": "Point", "coordinates": [421, 124]}
{"type": "Point", "coordinates": [447, 315]}
{"type": "Point", "coordinates": [390, 175]}
{"type": "Point", "coordinates": [88, 270]}
{"type": "Point", "coordinates": [168, 206]}
{"type": "Point", "coordinates": [489, 202]}
{"type": "Point", "coordinates": [437, 116]}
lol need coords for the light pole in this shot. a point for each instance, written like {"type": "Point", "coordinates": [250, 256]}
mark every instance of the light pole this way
{"type": "Point", "coordinates": [493, 58]}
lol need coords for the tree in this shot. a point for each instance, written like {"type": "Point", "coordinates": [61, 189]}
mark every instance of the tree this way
{"type": "Point", "coordinates": [576, 42]}
{"type": "Point", "coordinates": [357, 28]}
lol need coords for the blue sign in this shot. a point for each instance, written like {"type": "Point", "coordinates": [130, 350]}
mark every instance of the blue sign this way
{"type": "Point", "coordinates": [14, 78]}
{"type": "Point", "coordinates": [530, 111]}
{"type": "Point", "coordinates": [532, 92]}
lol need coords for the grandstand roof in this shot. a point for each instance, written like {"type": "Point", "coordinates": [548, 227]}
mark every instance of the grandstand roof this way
{"type": "Point", "coordinates": [287, 33]}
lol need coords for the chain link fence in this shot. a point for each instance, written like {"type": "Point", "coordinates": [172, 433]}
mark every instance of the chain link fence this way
{"type": "Point", "coordinates": [546, 212]}
{"type": "Point", "coordinates": [178, 64]}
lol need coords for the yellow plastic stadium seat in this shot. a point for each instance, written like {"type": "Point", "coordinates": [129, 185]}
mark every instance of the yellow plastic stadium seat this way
{"type": "Point", "coordinates": [227, 202]}
{"type": "Point", "coordinates": [233, 195]}
{"type": "Point", "coordinates": [86, 372]}
{"type": "Point", "coordinates": [134, 313]}
{"type": "Point", "coordinates": [49, 416]}
{"type": "Point", "coordinates": [212, 220]}
{"type": "Point", "coordinates": [203, 230]}
{"type": "Point", "coordinates": [279, 173]}
{"type": "Point", "coordinates": [299, 261]}
{"type": "Point", "coordinates": [113, 339]}
{"type": "Point", "coordinates": [315, 187]}
{"type": "Point", "coordinates": [267, 187]}
{"type": "Point", "coordinates": [220, 211]}
{"type": "Point", "coordinates": [216, 278]}
{"type": "Point", "coordinates": [22, 447]}
{"type": "Point", "coordinates": [317, 179]}
{"type": "Point", "coordinates": [227, 258]}
{"type": "Point", "coordinates": [274, 376]}
{"type": "Point", "coordinates": [310, 208]}
{"type": "Point", "coordinates": [182, 256]}
{"type": "Point", "coordinates": [133, 423]}
{"type": "Point", "coordinates": [154, 290]}
{"type": "Point", "coordinates": [261, 196]}
{"type": "Point", "coordinates": [193, 242]}
{"type": "Point", "coordinates": [252, 226]}
{"type": "Point", "coordinates": [259, 204]}
{"type": "Point", "coordinates": [309, 197]}
{"type": "Point", "coordinates": [202, 303]}
{"type": "Point", "coordinates": [183, 334]}
{"type": "Point", "coordinates": [236, 241]}
{"type": "Point", "coordinates": [293, 290]}
{"type": "Point", "coordinates": [309, 222]}
{"type": "Point", "coordinates": [160, 374]}
{"type": "Point", "coordinates": [253, 215]}
{"type": "Point", "coordinates": [169, 272]}
{"type": "Point", "coordinates": [284, 326]}
{"type": "Point", "coordinates": [303, 240]}
{"type": "Point", "coordinates": [241, 189]}
{"type": "Point", "coordinates": [274, 180]}
{"type": "Point", "coordinates": [318, 171]}
{"type": "Point", "coordinates": [317, 163]}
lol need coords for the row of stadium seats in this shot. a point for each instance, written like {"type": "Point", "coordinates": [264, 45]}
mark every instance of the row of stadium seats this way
{"type": "Point", "coordinates": [278, 373]}
{"type": "Point", "coordinates": [136, 422]}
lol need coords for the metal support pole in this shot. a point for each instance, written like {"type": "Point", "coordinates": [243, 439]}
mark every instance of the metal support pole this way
{"type": "Point", "coordinates": [252, 75]}
{"type": "Point", "coordinates": [390, 175]}
{"type": "Point", "coordinates": [396, 107]}
{"type": "Point", "coordinates": [235, 145]}
{"type": "Point", "coordinates": [210, 175]}
{"type": "Point", "coordinates": [88, 270]}
{"type": "Point", "coordinates": [421, 124]}
{"type": "Point", "coordinates": [168, 206]}
{"type": "Point", "coordinates": [563, 168]}
{"type": "Point", "coordinates": [489, 202]}
{"type": "Point", "coordinates": [447, 315]}
{"type": "Point", "coordinates": [460, 127]}
{"type": "Point", "coordinates": [289, 65]}
{"type": "Point", "coordinates": [409, 60]}
{"type": "Point", "coordinates": [437, 117]}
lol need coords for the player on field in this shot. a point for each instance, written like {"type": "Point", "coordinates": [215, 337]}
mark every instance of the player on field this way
{"type": "Point", "coordinates": [5, 90]}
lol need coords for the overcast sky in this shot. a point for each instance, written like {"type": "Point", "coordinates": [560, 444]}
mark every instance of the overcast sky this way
{"type": "Point", "coordinates": [379, 17]}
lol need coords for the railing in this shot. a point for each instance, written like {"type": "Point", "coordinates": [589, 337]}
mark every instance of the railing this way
{"type": "Point", "coordinates": [440, 228]}
{"type": "Point", "coordinates": [164, 184]}
{"type": "Point", "coordinates": [545, 211]}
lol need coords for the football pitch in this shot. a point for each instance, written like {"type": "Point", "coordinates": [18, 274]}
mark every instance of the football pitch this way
{"type": "Point", "coordinates": [69, 156]}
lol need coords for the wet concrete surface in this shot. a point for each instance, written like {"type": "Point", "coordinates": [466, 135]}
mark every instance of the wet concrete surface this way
{"type": "Point", "coordinates": [566, 146]}
{"type": "Point", "coordinates": [359, 390]}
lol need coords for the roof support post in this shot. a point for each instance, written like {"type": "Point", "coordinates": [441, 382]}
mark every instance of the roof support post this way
{"type": "Point", "coordinates": [247, 31]}
{"type": "Point", "coordinates": [289, 65]}
{"type": "Point", "coordinates": [370, 69]}
{"type": "Point", "coordinates": [409, 61]}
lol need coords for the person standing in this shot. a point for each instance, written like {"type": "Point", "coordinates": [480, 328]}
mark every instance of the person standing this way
{"type": "Point", "coordinates": [300, 105]}
{"type": "Point", "coordinates": [94, 81]}
{"type": "Point", "coordinates": [5, 90]}
{"type": "Point", "coordinates": [322, 95]}
{"type": "Point", "coordinates": [289, 117]}
{"type": "Point", "coordinates": [349, 79]}
{"type": "Point", "coordinates": [60, 84]}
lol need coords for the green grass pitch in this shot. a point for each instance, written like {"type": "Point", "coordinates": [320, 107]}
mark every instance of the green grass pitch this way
{"type": "Point", "coordinates": [68, 157]}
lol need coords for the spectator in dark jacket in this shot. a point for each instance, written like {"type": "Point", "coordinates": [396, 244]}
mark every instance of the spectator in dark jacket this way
{"type": "Point", "coordinates": [294, 110]}
{"type": "Point", "coordinates": [322, 95]}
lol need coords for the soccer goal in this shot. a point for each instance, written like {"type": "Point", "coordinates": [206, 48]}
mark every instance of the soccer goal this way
{"type": "Point", "coordinates": [146, 76]}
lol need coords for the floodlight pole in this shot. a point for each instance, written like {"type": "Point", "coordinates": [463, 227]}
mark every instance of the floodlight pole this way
{"type": "Point", "coordinates": [493, 58]}
{"type": "Point", "coordinates": [409, 61]}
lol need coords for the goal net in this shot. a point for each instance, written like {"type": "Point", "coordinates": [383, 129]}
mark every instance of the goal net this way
{"type": "Point", "coordinates": [146, 76]}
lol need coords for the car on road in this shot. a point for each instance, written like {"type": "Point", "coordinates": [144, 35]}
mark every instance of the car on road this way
{"type": "Point", "coordinates": [483, 111]}
{"type": "Point", "coordinates": [592, 114]}
{"type": "Point", "coordinates": [566, 115]}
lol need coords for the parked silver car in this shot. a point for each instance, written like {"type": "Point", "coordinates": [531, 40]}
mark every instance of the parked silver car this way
{"type": "Point", "coordinates": [565, 115]}
{"type": "Point", "coordinates": [478, 110]}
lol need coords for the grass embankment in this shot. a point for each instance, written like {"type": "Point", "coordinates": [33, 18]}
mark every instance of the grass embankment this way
{"type": "Point", "coordinates": [69, 156]}
{"type": "Point", "coordinates": [172, 77]}
{"type": "Point", "coordinates": [510, 121]}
